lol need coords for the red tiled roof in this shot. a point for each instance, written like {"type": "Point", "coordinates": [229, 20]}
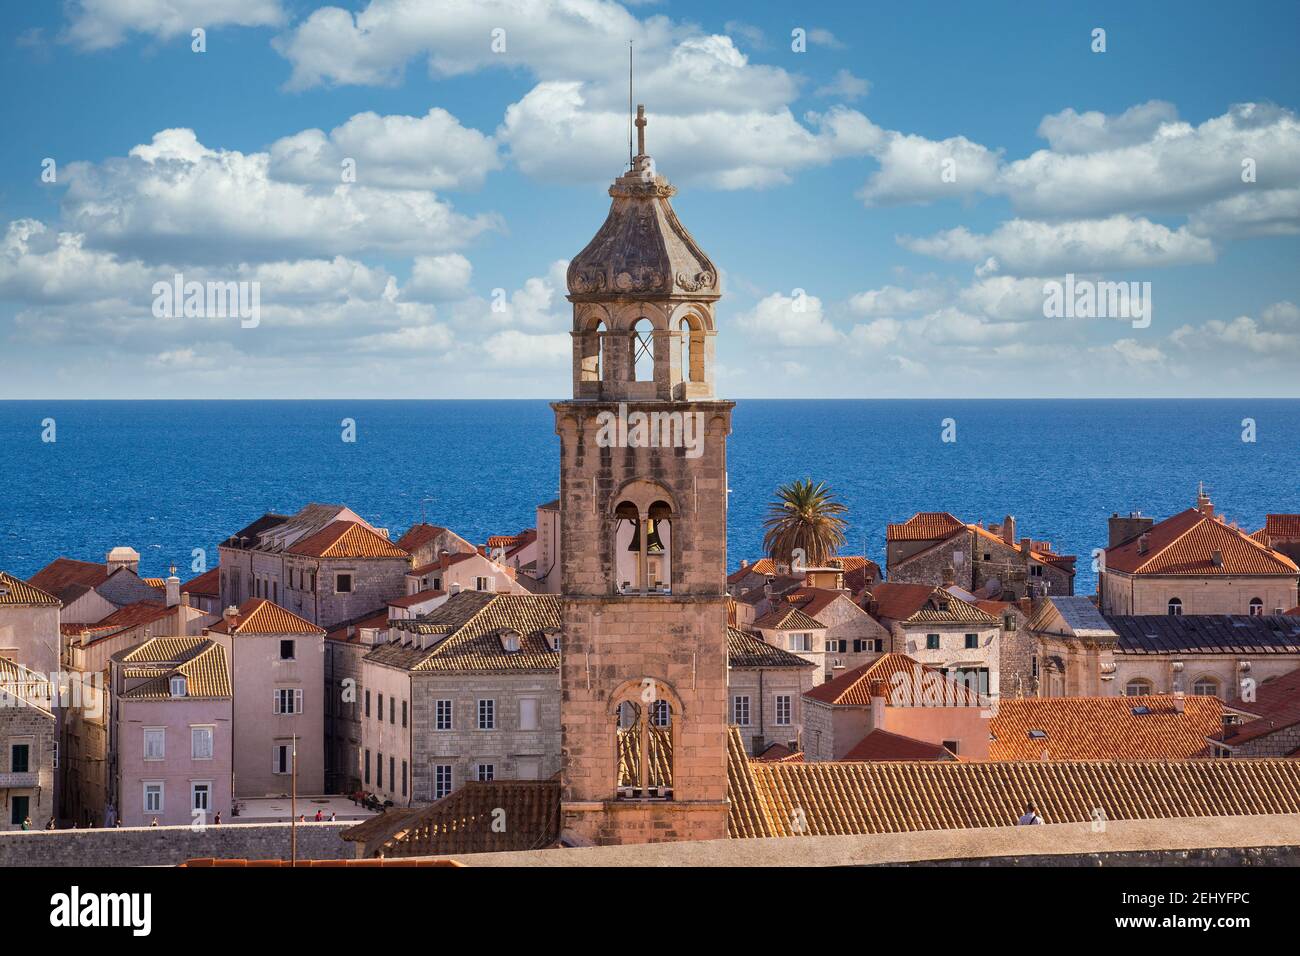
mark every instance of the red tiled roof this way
{"type": "Point", "coordinates": [208, 584]}
{"type": "Point", "coordinates": [443, 563]}
{"type": "Point", "coordinates": [1284, 526]}
{"type": "Point", "coordinates": [17, 591]}
{"type": "Point", "coordinates": [788, 619]}
{"type": "Point", "coordinates": [780, 753]}
{"type": "Point", "coordinates": [419, 597]}
{"type": "Point", "coordinates": [1186, 543]}
{"type": "Point", "coordinates": [812, 601]}
{"type": "Point", "coordinates": [62, 573]}
{"type": "Point", "coordinates": [884, 745]}
{"type": "Point", "coordinates": [133, 615]}
{"type": "Point", "coordinates": [260, 616]}
{"type": "Point", "coordinates": [1103, 728]}
{"type": "Point", "coordinates": [924, 526]}
{"type": "Point", "coordinates": [417, 536]}
{"type": "Point", "coordinates": [914, 603]}
{"type": "Point", "coordinates": [347, 539]}
{"type": "Point", "coordinates": [900, 679]}
{"type": "Point", "coordinates": [1276, 706]}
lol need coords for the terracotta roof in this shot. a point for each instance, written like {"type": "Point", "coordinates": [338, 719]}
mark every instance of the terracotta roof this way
{"type": "Point", "coordinates": [259, 616]}
{"type": "Point", "coordinates": [208, 584]}
{"type": "Point", "coordinates": [210, 862]}
{"type": "Point", "coordinates": [884, 745]}
{"type": "Point", "coordinates": [1205, 634]}
{"type": "Point", "coordinates": [62, 573]}
{"type": "Point", "coordinates": [1186, 544]}
{"type": "Point", "coordinates": [17, 591]}
{"type": "Point", "coordinates": [467, 821]}
{"type": "Point", "coordinates": [923, 603]}
{"type": "Point", "coordinates": [1103, 728]}
{"type": "Point", "coordinates": [837, 798]}
{"type": "Point", "coordinates": [417, 536]}
{"type": "Point", "coordinates": [419, 597]}
{"type": "Point", "coordinates": [925, 526]}
{"type": "Point", "coordinates": [347, 631]}
{"type": "Point", "coordinates": [788, 618]}
{"type": "Point", "coordinates": [850, 563]}
{"type": "Point", "coordinates": [780, 753]}
{"type": "Point", "coordinates": [731, 611]}
{"type": "Point", "coordinates": [18, 683]}
{"type": "Point", "coordinates": [1276, 706]}
{"type": "Point", "coordinates": [1038, 550]}
{"type": "Point", "coordinates": [201, 661]}
{"type": "Point", "coordinates": [468, 628]}
{"type": "Point", "coordinates": [906, 682]}
{"type": "Point", "coordinates": [346, 539]}
{"type": "Point", "coordinates": [746, 650]}
{"type": "Point", "coordinates": [1282, 526]}
{"type": "Point", "coordinates": [812, 601]}
{"type": "Point", "coordinates": [133, 615]}
{"type": "Point", "coordinates": [1293, 612]}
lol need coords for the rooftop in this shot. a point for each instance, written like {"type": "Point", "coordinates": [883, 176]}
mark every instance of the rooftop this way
{"type": "Point", "coordinates": [1103, 728]}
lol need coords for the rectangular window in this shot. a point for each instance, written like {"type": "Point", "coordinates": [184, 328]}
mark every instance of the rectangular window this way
{"type": "Point", "coordinates": [487, 714]}
{"type": "Point", "coordinates": [392, 772]}
{"type": "Point", "coordinates": [155, 743]}
{"type": "Point", "coordinates": [367, 771]}
{"type": "Point", "coordinates": [403, 778]}
{"type": "Point", "coordinates": [659, 712]}
{"type": "Point", "coordinates": [282, 759]}
{"type": "Point", "coordinates": [486, 772]}
{"type": "Point", "coordinates": [1036, 570]}
{"type": "Point", "coordinates": [801, 642]}
{"type": "Point", "coordinates": [379, 711]}
{"type": "Point", "coordinates": [403, 713]}
{"type": "Point", "coordinates": [379, 770]}
{"type": "Point", "coordinates": [972, 642]}
{"type": "Point", "coordinates": [932, 642]}
{"type": "Point", "coordinates": [392, 710]}
{"type": "Point", "coordinates": [343, 584]}
{"type": "Point", "coordinates": [480, 584]}
{"type": "Point", "coordinates": [20, 759]}
{"type": "Point", "coordinates": [367, 703]}
{"type": "Point", "coordinates": [286, 650]}
{"type": "Point", "coordinates": [740, 711]}
{"type": "Point", "coordinates": [528, 713]}
{"type": "Point", "coordinates": [201, 743]}
{"type": "Point", "coordinates": [442, 715]}
{"type": "Point", "coordinates": [288, 700]}
{"type": "Point", "coordinates": [783, 710]}
{"type": "Point", "coordinates": [441, 780]}
{"type": "Point", "coordinates": [153, 796]}
{"type": "Point", "coordinates": [200, 795]}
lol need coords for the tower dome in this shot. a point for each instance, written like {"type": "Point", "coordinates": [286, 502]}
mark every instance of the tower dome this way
{"type": "Point", "coordinates": [642, 250]}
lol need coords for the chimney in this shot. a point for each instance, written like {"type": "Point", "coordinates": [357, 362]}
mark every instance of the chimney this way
{"type": "Point", "coordinates": [230, 616]}
{"type": "Point", "coordinates": [949, 575]}
{"type": "Point", "coordinates": [744, 563]}
{"type": "Point", "coordinates": [122, 557]}
{"type": "Point", "coordinates": [1026, 545]}
{"type": "Point", "coordinates": [173, 589]}
{"type": "Point", "coordinates": [1143, 542]}
{"type": "Point", "coordinates": [1126, 528]}
{"type": "Point", "coordinates": [1009, 529]}
{"type": "Point", "coordinates": [879, 691]}
{"type": "Point", "coordinates": [455, 587]}
{"type": "Point", "coordinates": [1216, 558]}
{"type": "Point", "coordinates": [1203, 503]}
{"type": "Point", "coordinates": [1180, 702]}
{"type": "Point", "coordinates": [185, 599]}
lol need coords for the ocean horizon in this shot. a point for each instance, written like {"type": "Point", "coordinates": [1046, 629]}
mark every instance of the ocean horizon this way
{"type": "Point", "coordinates": [169, 476]}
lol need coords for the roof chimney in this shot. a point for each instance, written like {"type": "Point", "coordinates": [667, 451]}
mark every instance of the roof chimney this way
{"type": "Point", "coordinates": [173, 589]}
{"type": "Point", "coordinates": [1124, 528]}
{"type": "Point", "coordinates": [949, 575]}
{"type": "Point", "coordinates": [230, 616]}
{"type": "Point", "coordinates": [879, 691]}
{"type": "Point", "coordinates": [1203, 503]}
{"type": "Point", "coordinates": [455, 587]}
{"type": "Point", "coordinates": [1026, 545]}
{"type": "Point", "coordinates": [122, 557]}
{"type": "Point", "coordinates": [1009, 529]}
{"type": "Point", "coordinates": [1143, 540]}
{"type": "Point", "coordinates": [1180, 702]}
{"type": "Point", "coordinates": [1216, 558]}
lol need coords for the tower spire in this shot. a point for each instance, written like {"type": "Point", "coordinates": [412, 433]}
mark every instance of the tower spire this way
{"type": "Point", "coordinates": [640, 129]}
{"type": "Point", "coordinates": [630, 162]}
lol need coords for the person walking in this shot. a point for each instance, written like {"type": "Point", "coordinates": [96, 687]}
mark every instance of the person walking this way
{"type": "Point", "coordinates": [1031, 817]}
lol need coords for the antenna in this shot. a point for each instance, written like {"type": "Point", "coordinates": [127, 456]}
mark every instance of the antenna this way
{"type": "Point", "coordinates": [629, 104]}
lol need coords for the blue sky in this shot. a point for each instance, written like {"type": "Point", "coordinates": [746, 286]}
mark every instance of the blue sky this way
{"type": "Point", "coordinates": [479, 173]}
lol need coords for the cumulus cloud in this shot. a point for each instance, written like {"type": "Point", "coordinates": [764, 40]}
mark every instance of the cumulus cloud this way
{"type": "Point", "coordinates": [176, 198]}
{"type": "Point", "coordinates": [1091, 132]}
{"type": "Point", "coordinates": [1275, 333]}
{"type": "Point", "coordinates": [789, 321]}
{"type": "Point", "coordinates": [99, 24]}
{"type": "Point", "coordinates": [845, 86]}
{"type": "Point", "coordinates": [1027, 247]}
{"type": "Point", "coordinates": [914, 169]}
{"type": "Point", "coordinates": [435, 278]}
{"type": "Point", "coordinates": [892, 300]}
{"type": "Point", "coordinates": [433, 151]}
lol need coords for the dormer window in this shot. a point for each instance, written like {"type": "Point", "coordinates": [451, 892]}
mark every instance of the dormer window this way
{"type": "Point", "coordinates": [510, 641]}
{"type": "Point", "coordinates": [178, 686]}
{"type": "Point", "coordinates": [552, 635]}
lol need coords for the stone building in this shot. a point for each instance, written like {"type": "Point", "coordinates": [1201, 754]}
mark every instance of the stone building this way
{"type": "Point", "coordinates": [29, 742]}
{"type": "Point", "coordinates": [1282, 534]}
{"type": "Point", "coordinates": [277, 667]}
{"type": "Point", "coordinates": [643, 505]}
{"type": "Point", "coordinates": [1269, 725]}
{"type": "Point", "coordinates": [934, 547]}
{"type": "Point", "coordinates": [765, 686]}
{"type": "Point", "coordinates": [425, 543]}
{"type": "Point", "coordinates": [468, 692]}
{"type": "Point", "coordinates": [1193, 563]}
{"type": "Point", "coordinates": [29, 626]}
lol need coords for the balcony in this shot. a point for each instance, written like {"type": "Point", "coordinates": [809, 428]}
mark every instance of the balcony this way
{"type": "Point", "coordinates": [20, 780]}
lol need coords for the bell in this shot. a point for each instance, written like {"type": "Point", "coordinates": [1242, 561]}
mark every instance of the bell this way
{"type": "Point", "coordinates": [653, 544]}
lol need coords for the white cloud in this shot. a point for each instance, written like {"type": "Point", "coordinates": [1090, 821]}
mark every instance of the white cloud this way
{"type": "Point", "coordinates": [914, 169]}
{"type": "Point", "coordinates": [176, 198]}
{"type": "Point", "coordinates": [1275, 334]}
{"type": "Point", "coordinates": [1091, 132]}
{"type": "Point", "coordinates": [98, 24]}
{"type": "Point", "coordinates": [514, 349]}
{"type": "Point", "coordinates": [846, 86]}
{"type": "Point", "coordinates": [789, 321]}
{"type": "Point", "coordinates": [874, 335]}
{"type": "Point", "coordinates": [435, 278]}
{"type": "Point", "coordinates": [1026, 247]}
{"type": "Point", "coordinates": [891, 300]}
{"type": "Point", "coordinates": [433, 151]}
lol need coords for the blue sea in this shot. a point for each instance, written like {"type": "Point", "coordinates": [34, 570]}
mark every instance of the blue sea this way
{"type": "Point", "coordinates": [166, 477]}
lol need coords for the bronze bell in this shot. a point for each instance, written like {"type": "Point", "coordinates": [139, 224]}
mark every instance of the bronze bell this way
{"type": "Point", "coordinates": [653, 544]}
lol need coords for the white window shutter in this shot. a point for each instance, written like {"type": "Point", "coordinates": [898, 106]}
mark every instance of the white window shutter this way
{"type": "Point", "coordinates": [297, 701]}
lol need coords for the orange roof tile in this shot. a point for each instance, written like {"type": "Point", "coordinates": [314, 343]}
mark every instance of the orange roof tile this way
{"type": "Point", "coordinates": [417, 536]}
{"type": "Point", "coordinates": [924, 526]}
{"type": "Point", "coordinates": [259, 616]}
{"type": "Point", "coordinates": [923, 603]}
{"type": "Point", "coordinates": [208, 584]}
{"type": "Point", "coordinates": [1187, 543]}
{"type": "Point", "coordinates": [62, 573]}
{"type": "Point", "coordinates": [17, 591]}
{"type": "Point", "coordinates": [884, 745]}
{"type": "Point", "coordinates": [1276, 706]}
{"type": "Point", "coordinates": [788, 618]}
{"type": "Point", "coordinates": [347, 539]}
{"type": "Point", "coordinates": [902, 680]}
{"type": "Point", "coordinates": [1103, 728]}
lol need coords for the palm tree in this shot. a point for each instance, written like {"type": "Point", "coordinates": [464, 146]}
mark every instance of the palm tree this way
{"type": "Point", "coordinates": [804, 517]}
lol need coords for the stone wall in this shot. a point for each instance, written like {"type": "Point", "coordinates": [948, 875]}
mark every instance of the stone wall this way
{"type": "Point", "coordinates": [168, 846]}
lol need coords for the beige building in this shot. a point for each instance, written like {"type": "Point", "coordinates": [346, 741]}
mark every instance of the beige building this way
{"type": "Point", "coordinates": [29, 743]}
{"type": "Point", "coordinates": [765, 688]}
{"type": "Point", "coordinates": [29, 626]}
{"type": "Point", "coordinates": [277, 666]}
{"type": "Point", "coordinates": [1193, 563]}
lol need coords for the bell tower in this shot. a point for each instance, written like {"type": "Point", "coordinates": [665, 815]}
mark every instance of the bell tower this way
{"type": "Point", "coordinates": [643, 502]}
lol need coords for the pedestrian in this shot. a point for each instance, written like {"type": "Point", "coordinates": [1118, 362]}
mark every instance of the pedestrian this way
{"type": "Point", "coordinates": [217, 821]}
{"type": "Point", "coordinates": [333, 816]}
{"type": "Point", "coordinates": [320, 815]}
{"type": "Point", "coordinates": [27, 823]}
{"type": "Point", "coordinates": [1031, 817]}
{"type": "Point", "coordinates": [50, 825]}
{"type": "Point", "coordinates": [154, 822]}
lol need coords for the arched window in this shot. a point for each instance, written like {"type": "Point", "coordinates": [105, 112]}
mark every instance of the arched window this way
{"type": "Point", "coordinates": [643, 548]}
{"type": "Point", "coordinates": [692, 351]}
{"type": "Point", "coordinates": [1256, 607]}
{"type": "Point", "coordinates": [1137, 687]}
{"type": "Point", "coordinates": [643, 351]}
{"type": "Point", "coordinates": [1206, 687]}
{"type": "Point", "coordinates": [1175, 607]}
{"type": "Point", "coordinates": [645, 749]}
{"type": "Point", "coordinates": [593, 353]}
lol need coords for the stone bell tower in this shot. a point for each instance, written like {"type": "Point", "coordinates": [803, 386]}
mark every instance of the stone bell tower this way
{"type": "Point", "coordinates": [643, 502]}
